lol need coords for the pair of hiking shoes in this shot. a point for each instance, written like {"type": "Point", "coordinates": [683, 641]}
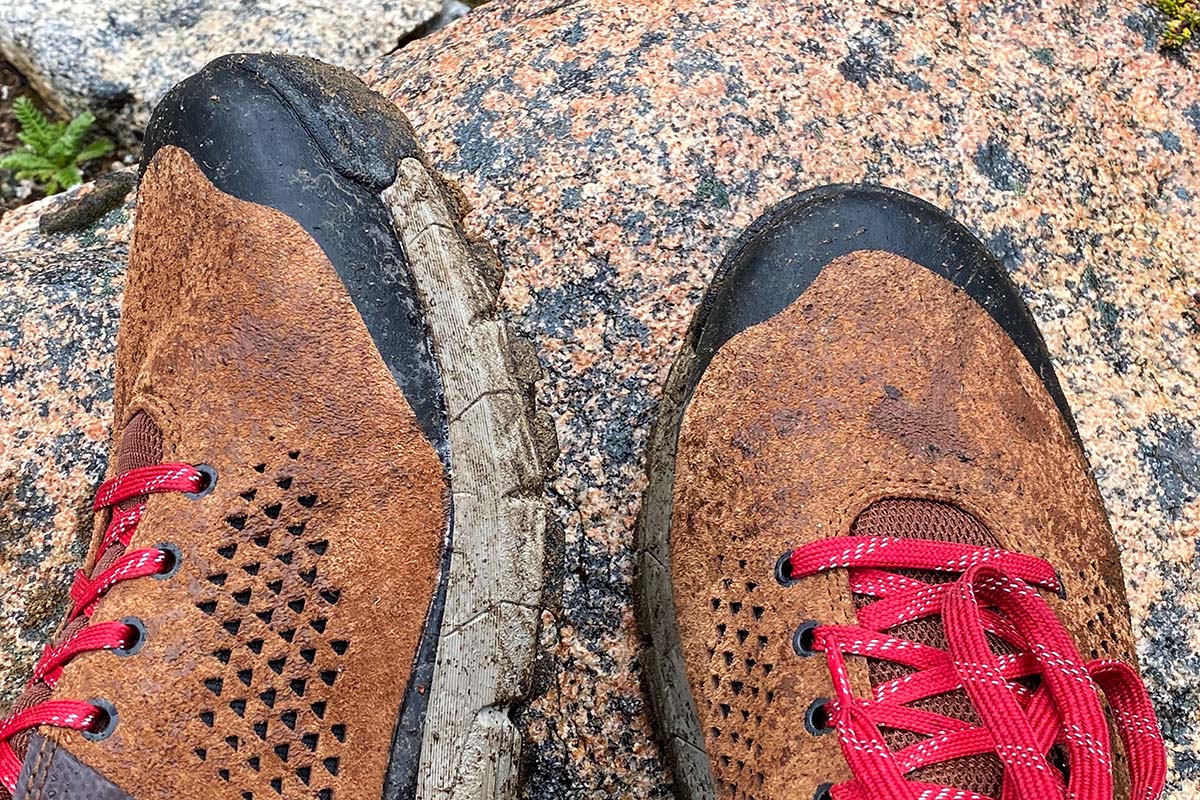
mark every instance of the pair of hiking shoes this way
{"type": "Point", "coordinates": [872, 561]}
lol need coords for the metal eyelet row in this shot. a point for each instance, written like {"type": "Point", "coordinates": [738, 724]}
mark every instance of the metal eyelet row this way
{"type": "Point", "coordinates": [816, 717]}
{"type": "Point", "coordinates": [105, 723]}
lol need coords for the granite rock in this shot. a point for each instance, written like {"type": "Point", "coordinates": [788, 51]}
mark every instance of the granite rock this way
{"type": "Point", "coordinates": [117, 58]}
{"type": "Point", "coordinates": [58, 323]}
{"type": "Point", "coordinates": [612, 152]}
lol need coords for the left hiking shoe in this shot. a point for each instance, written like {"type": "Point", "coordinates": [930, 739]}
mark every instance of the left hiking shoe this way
{"type": "Point", "coordinates": [317, 567]}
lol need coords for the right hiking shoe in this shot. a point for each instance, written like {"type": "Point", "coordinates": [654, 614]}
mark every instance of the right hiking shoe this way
{"type": "Point", "coordinates": [317, 568]}
{"type": "Point", "coordinates": [874, 564]}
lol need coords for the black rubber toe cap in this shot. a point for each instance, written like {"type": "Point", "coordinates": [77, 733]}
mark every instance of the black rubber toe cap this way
{"type": "Point", "coordinates": [784, 251]}
{"type": "Point", "coordinates": [246, 118]}
{"type": "Point", "coordinates": [313, 142]}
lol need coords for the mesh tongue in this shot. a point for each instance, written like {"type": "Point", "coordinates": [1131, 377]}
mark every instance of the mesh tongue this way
{"type": "Point", "coordinates": [941, 522]}
{"type": "Point", "coordinates": [141, 446]}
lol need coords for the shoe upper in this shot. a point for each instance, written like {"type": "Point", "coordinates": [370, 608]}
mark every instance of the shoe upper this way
{"type": "Point", "coordinates": [276, 656]}
{"type": "Point", "coordinates": [863, 395]}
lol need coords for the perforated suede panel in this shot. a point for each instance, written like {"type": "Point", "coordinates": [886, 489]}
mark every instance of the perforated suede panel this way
{"type": "Point", "coordinates": [738, 644]}
{"type": "Point", "coordinates": [270, 680]}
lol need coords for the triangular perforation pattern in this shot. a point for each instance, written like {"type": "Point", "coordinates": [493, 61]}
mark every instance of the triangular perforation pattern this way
{"type": "Point", "coordinates": [741, 662]}
{"type": "Point", "coordinates": [267, 726]}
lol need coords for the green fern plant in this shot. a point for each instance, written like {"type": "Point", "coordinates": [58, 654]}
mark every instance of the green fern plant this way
{"type": "Point", "coordinates": [1183, 21]}
{"type": "Point", "coordinates": [53, 151]}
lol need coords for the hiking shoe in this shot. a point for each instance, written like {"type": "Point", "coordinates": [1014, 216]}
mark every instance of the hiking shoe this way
{"type": "Point", "coordinates": [317, 566]}
{"type": "Point", "coordinates": [873, 561]}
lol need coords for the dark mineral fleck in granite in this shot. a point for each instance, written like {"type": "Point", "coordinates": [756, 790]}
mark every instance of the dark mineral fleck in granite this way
{"type": "Point", "coordinates": [612, 152]}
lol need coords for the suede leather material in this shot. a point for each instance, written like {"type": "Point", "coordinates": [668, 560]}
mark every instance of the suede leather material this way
{"type": "Point", "coordinates": [52, 773]}
{"type": "Point", "coordinates": [881, 380]}
{"type": "Point", "coordinates": [277, 658]}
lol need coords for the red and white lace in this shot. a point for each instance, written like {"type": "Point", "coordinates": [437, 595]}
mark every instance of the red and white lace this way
{"type": "Point", "coordinates": [995, 595]}
{"type": "Point", "coordinates": [85, 592]}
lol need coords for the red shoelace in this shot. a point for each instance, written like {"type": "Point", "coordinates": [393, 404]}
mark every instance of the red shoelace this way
{"type": "Point", "coordinates": [91, 717]}
{"type": "Point", "coordinates": [995, 596]}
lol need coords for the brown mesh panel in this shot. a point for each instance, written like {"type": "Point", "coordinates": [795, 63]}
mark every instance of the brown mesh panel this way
{"type": "Point", "coordinates": [906, 518]}
{"type": "Point", "coordinates": [141, 446]}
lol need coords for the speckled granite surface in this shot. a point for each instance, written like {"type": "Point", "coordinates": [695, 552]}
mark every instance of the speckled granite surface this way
{"type": "Point", "coordinates": [613, 151]}
{"type": "Point", "coordinates": [117, 58]}
{"type": "Point", "coordinates": [58, 321]}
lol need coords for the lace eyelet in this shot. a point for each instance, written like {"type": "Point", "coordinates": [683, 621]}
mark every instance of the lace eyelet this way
{"type": "Point", "coordinates": [803, 639]}
{"type": "Point", "coordinates": [133, 647]}
{"type": "Point", "coordinates": [816, 718]}
{"type": "Point", "coordinates": [105, 722]}
{"type": "Point", "coordinates": [824, 792]}
{"type": "Point", "coordinates": [1062, 586]}
{"type": "Point", "coordinates": [783, 569]}
{"type": "Point", "coordinates": [171, 564]}
{"type": "Point", "coordinates": [208, 481]}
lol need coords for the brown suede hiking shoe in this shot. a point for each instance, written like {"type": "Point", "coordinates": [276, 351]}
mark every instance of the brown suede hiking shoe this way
{"type": "Point", "coordinates": [863, 472]}
{"type": "Point", "coordinates": [317, 567]}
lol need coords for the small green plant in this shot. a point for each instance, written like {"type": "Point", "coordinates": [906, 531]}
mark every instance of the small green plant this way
{"type": "Point", "coordinates": [1183, 21]}
{"type": "Point", "coordinates": [53, 151]}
